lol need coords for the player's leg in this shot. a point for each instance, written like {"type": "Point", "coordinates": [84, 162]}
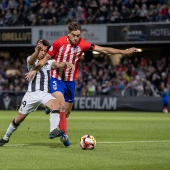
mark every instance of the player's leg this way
{"type": "Point", "coordinates": [63, 122]}
{"type": "Point", "coordinates": [57, 88]}
{"type": "Point", "coordinates": [22, 114]}
{"type": "Point", "coordinates": [165, 103]}
{"type": "Point", "coordinates": [30, 103]}
{"type": "Point", "coordinates": [68, 108]}
{"type": "Point", "coordinates": [53, 105]}
{"type": "Point", "coordinates": [64, 138]}
{"type": "Point", "coordinates": [165, 97]}
{"type": "Point", "coordinates": [12, 127]}
{"type": "Point", "coordinates": [69, 98]}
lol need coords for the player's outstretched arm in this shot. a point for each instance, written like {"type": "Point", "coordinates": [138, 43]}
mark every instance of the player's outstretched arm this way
{"type": "Point", "coordinates": [109, 50]}
{"type": "Point", "coordinates": [56, 65]}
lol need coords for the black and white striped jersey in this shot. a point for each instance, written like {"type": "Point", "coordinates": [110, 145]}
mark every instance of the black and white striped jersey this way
{"type": "Point", "coordinates": [42, 79]}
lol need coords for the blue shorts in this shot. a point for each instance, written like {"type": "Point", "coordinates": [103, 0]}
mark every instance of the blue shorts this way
{"type": "Point", "coordinates": [67, 88]}
{"type": "Point", "coordinates": [165, 100]}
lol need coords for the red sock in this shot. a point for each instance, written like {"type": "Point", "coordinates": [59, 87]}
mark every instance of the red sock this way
{"type": "Point", "coordinates": [63, 122]}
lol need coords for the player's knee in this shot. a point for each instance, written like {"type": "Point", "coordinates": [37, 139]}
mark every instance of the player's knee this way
{"type": "Point", "coordinates": [62, 107]}
{"type": "Point", "coordinates": [53, 106]}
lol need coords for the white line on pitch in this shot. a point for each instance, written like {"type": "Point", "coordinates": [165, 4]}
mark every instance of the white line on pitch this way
{"type": "Point", "coordinates": [16, 145]}
{"type": "Point", "coordinates": [150, 141]}
{"type": "Point", "coordinates": [119, 142]}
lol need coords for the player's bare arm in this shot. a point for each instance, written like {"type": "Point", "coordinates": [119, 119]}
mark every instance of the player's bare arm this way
{"type": "Point", "coordinates": [30, 75]}
{"type": "Point", "coordinates": [109, 50]}
{"type": "Point", "coordinates": [42, 62]}
{"type": "Point", "coordinates": [34, 56]}
{"type": "Point", "coordinates": [56, 65]}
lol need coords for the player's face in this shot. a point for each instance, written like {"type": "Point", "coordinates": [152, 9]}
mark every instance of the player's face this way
{"type": "Point", "coordinates": [42, 52]}
{"type": "Point", "coordinates": [74, 36]}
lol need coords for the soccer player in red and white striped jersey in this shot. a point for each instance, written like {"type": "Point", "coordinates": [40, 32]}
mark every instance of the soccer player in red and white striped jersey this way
{"type": "Point", "coordinates": [63, 50]}
{"type": "Point", "coordinates": [69, 49]}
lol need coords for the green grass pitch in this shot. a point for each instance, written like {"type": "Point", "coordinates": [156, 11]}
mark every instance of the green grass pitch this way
{"type": "Point", "coordinates": [125, 141]}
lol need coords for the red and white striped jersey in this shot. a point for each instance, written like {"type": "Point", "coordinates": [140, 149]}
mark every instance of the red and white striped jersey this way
{"type": "Point", "coordinates": [63, 51]}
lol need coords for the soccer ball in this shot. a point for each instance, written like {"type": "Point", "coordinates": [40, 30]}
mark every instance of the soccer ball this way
{"type": "Point", "coordinates": [87, 142]}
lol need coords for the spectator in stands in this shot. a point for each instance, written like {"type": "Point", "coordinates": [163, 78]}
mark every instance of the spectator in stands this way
{"type": "Point", "coordinates": [2, 81]}
{"type": "Point", "coordinates": [163, 12]}
{"type": "Point", "coordinates": [149, 89]}
{"type": "Point", "coordinates": [4, 4]}
{"type": "Point", "coordinates": [14, 19]}
{"type": "Point", "coordinates": [103, 15]}
{"type": "Point", "coordinates": [144, 13]}
{"type": "Point", "coordinates": [8, 18]}
{"type": "Point", "coordinates": [164, 78]}
{"type": "Point", "coordinates": [81, 13]}
{"type": "Point", "coordinates": [114, 16]}
{"type": "Point", "coordinates": [152, 13]}
{"type": "Point", "coordinates": [72, 15]}
{"type": "Point", "coordinates": [31, 18]}
{"type": "Point", "coordinates": [124, 14]}
{"type": "Point", "coordinates": [91, 87]}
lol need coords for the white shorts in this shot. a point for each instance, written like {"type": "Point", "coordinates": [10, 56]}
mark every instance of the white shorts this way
{"type": "Point", "coordinates": [32, 100]}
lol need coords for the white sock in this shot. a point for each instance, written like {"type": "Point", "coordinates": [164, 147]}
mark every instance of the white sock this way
{"type": "Point", "coordinates": [54, 121]}
{"type": "Point", "coordinates": [9, 131]}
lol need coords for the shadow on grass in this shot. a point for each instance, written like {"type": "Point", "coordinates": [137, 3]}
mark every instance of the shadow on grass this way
{"type": "Point", "coordinates": [38, 144]}
{"type": "Point", "coordinates": [51, 145]}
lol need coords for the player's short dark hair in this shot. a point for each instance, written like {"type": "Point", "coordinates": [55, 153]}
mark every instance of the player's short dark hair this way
{"type": "Point", "coordinates": [44, 42]}
{"type": "Point", "coordinates": [74, 26]}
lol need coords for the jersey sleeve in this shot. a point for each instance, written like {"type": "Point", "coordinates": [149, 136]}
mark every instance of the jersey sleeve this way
{"type": "Point", "coordinates": [53, 49]}
{"type": "Point", "coordinates": [88, 46]}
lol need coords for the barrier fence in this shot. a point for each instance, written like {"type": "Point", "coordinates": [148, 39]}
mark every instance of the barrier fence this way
{"type": "Point", "coordinates": [11, 101]}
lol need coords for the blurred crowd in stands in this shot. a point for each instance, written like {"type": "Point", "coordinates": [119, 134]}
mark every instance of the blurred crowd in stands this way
{"type": "Point", "coordinates": [58, 12]}
{"type": "Point", "coordinates": [134, 76]}
{"type": "Point", "coordinates": [12, 71]}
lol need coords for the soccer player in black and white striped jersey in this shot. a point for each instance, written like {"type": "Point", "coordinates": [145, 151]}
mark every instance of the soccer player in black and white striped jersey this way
{"type": "Point", "coordinates": [38, 93]}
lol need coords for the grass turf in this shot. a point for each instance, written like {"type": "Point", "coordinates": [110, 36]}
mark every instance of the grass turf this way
{"type": "Point", "coordinates": [125, 141]}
